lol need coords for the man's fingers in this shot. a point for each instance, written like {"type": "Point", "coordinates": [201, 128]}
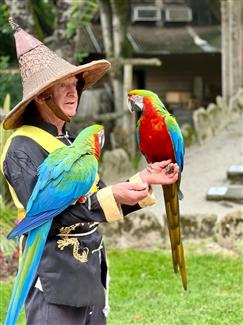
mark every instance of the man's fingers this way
{"type": "Point", "coordinates": [162, 164]}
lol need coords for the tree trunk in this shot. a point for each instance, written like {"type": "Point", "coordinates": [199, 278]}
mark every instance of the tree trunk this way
{"type": "Point", "coordinates": [114, 25]}
{"type": "Point", "coordinates": [105, 17]}
{"type": "Point", "coordinates": [63, 44]}
{"type": "Point", "coordinates": [21, 12]}
{"type": "Point", "coordinates": [232, 43]}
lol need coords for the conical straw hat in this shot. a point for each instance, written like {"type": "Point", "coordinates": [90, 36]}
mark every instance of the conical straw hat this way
{"type": "Point", "coordinates": [40, 68]}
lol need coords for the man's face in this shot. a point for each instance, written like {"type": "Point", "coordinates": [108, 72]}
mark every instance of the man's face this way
{"type": "Point", "coordinates": [65, 95]}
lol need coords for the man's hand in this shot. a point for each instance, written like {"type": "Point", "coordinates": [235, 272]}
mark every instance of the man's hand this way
{"type": "Point", "coordinates": [163, 172]}
{"type": "Point", "coordinates": [130, 193]}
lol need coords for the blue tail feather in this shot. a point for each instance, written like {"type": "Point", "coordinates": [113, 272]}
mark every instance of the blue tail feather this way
{"type": "Point", "coordinates": [27, 272]}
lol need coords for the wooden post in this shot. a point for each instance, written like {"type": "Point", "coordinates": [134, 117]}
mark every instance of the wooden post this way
{"type": "Point", "coordinates": [232, 44]}
{"type": "Point", "coordinates": [128, 120]}
{"type": "Point", "coordinates": [224, 49]}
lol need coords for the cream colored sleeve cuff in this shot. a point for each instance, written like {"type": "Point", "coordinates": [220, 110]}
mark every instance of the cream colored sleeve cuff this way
{"type": "Point", "coordinates": [111, 209]}
{"type": "Point", "coordinates": [150, 199]}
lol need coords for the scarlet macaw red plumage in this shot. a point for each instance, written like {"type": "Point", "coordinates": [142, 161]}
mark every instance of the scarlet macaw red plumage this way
{"type": "Point", "coordinates": [159, 138]}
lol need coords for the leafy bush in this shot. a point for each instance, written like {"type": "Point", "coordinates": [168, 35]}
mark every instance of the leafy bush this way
{"type": "Point", "coordinates": [10, 83]}
{"type": "Point", "coordinates": [8, 248]}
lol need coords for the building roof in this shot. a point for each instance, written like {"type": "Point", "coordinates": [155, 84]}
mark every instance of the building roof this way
{"type": "Point", "coordinates": [153, 40]}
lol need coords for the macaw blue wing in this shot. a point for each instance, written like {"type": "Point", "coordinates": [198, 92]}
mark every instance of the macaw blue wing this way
{"type": "Point", "coordinates": [57, 163]}
{"type": "Point", "coordinates": [47, 202]}
{"type": "Point", "coordinates": [33, 250]}
{"type": "Point", "coordinates": [177, 140]}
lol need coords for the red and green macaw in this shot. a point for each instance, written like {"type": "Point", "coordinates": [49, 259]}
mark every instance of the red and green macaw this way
{"type": "Point", "coordinates": [159, 138]}
{"type": "Point", "coordinates": [67, 174]}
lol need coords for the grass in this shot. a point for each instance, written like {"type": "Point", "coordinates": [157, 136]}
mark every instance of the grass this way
{"type": "Point", "coordinates": [5, 294]}
{"type": "Point", "coordinates": [145, 291]}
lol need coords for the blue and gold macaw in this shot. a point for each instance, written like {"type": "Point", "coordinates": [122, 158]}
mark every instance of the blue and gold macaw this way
{"type": "Point", "coordinates": [67, 174]}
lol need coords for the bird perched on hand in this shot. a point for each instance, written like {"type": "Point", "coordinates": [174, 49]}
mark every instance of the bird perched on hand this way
{"type": "Point", "coordinates": [159, 138]}
{"type": "Point", "coordinates": [67, 174]}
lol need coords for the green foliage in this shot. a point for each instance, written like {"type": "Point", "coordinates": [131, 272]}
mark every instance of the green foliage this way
{"type": "Point", "coordinates": [4, 62]}
{"type": "Point", "coordinates": [81, 15]}
{"type": "Point", "coordinates": [10, 84]}
{"type": "Point", "coordinates": [4, 134]}
{"type": "Point", "coordinates": [43, 13]}
{"type": "Point", "coordinates": [7, 221]}
{"type": "Point", "coordinates": [6, 289]}
{"type": "Point", "coordinates": [6, 40]}
{"type": "Point", "coordinates": [81, 56]}
{"type": "Point", "coordinates": [4, 18]}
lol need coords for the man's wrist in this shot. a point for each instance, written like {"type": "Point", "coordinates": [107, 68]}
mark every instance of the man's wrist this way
{"type": "Point", "coordinates": [144, 175]}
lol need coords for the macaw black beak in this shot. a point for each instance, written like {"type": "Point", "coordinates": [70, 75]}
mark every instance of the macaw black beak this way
{"type": "Point", "coordinates": [133, 105]}
{"type": "Point", "coordinates": [101, 138]}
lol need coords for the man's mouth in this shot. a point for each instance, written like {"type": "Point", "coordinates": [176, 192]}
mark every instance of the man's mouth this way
{"type": "Point", "coordinates": [70, 103]}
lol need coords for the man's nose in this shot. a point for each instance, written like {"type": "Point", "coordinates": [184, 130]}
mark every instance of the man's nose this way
{"type": "Point", "coordinates": [72, 90]}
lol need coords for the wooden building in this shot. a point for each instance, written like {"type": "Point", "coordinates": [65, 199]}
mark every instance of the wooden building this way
{"type": "Point", "coordinates": [186, 36]}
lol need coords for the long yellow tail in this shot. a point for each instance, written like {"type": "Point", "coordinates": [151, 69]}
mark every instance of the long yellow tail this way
{"type": "Point", "coordinates": [173, 221]}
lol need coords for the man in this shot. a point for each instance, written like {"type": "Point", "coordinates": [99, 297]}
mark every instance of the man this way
{"type": "Point", "coordinates": [67, 290]}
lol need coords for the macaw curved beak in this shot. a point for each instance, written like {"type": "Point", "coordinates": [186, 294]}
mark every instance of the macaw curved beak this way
{"type": "Point", "coordinates": [135, 103]}
{"type": "Point", "coordinates": [101, 135]}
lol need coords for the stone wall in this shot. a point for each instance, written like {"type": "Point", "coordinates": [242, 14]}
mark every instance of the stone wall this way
{"type": "Point", "coordinates": [208, 122]}
{"type": "Point", "coordinates": [142, 230]}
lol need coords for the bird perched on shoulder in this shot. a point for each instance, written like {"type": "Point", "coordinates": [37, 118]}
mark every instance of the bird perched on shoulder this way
{"type": "Point", "coordinates": [67, 174]}
{"type": "Point", "coordinates": [159, 138]}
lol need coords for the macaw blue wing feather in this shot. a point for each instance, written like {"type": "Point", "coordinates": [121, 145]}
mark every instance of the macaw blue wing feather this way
{"type": "Point", "coordinates": [177, 140]}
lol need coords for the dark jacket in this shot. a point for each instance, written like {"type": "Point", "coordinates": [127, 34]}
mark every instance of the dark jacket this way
{"type": "Point", "coordinates": [64, 277]}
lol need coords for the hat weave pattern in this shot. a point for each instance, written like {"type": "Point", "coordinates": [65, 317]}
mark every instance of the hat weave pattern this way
{"type": "Point", "coordinates": [39, 66]}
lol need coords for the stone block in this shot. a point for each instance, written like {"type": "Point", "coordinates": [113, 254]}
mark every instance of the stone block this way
{"type": "Point", "coordinates": [229, 229]}
{"type": "Point", "coordinates": [202, 125]}
{"type": "Point", "coordinates": [228, 193]}
{"type": "Point", "coordinates": [116, 165]}
{"type": "Point", "coordinates": [235, 173]}
{"type": "Point", "coordinates": [216, 117]}
{"type": "Point", "coordinates": [139, 230]}
{"type": "Point", "coordinates": [198, 225]}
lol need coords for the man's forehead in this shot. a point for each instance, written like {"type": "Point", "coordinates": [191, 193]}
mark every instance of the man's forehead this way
{"type": "Point", "coordinates": [69, 79]}
{"type": "Point", "coordinates": [66, 81]}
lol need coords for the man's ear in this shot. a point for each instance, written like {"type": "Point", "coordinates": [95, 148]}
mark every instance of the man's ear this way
{"type": "Point", "coordinates": [40, 99]}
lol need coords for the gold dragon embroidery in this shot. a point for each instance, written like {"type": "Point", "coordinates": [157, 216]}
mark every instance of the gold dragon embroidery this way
{"type": "Point", "coordinates": [66, 241]}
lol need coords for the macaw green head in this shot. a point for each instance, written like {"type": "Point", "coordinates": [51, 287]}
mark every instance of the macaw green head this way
{"type": "Point", "coordinates": [93, 137]}
{"type": "Point", "coordinates": [138, 98]}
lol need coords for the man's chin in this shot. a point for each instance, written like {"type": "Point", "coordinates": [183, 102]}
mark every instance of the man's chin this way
{"type": "Point", "coordinates": [70, 112]}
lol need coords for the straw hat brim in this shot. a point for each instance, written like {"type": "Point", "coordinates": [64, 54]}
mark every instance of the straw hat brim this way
{"type": "Point", "coordinates": [91, 72]}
